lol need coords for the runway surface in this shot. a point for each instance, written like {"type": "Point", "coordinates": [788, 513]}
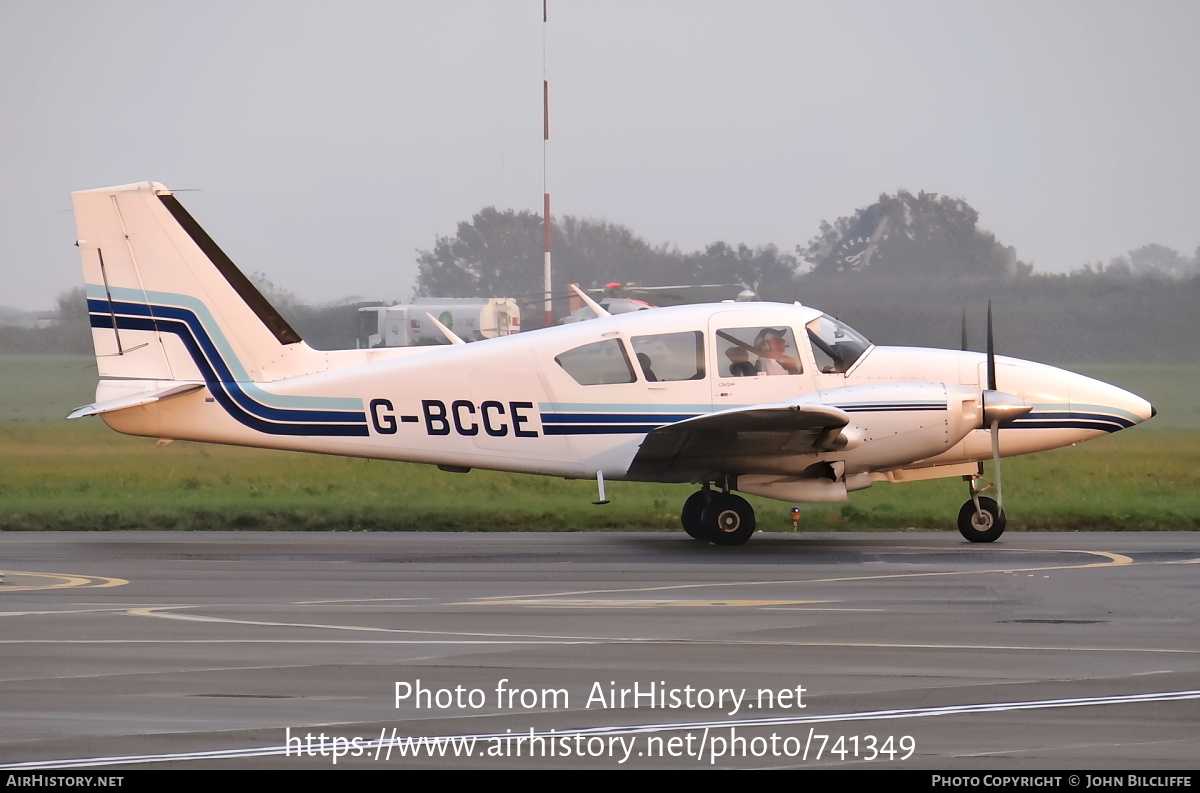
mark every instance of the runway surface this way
{"type": "Point", "coordinates": [911, 650]}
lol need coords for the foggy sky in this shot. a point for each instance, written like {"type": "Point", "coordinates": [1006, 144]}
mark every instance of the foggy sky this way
{"type": "Point", "coordinates": [328, 142]}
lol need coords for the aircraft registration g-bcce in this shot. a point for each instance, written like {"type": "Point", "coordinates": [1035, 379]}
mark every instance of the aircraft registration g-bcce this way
{"type": "Point", "coordinates": [770, 399]}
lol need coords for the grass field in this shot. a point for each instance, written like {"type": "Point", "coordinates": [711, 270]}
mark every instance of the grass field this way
{"type": "Point", "coordinates": [82, 476]}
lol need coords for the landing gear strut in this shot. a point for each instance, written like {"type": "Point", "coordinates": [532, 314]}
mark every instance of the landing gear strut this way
{"type": "Point", "coordinates": [721, 518]}
{"type": "Point", "coordinates": [981, 519]}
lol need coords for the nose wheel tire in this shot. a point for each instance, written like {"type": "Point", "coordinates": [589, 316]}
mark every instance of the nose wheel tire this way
{"type": "Point", "coordinates": [984, 524]}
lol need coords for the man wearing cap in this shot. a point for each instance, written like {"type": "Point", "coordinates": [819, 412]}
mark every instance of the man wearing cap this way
{"type": "Point", "coordinates": [771, 345]}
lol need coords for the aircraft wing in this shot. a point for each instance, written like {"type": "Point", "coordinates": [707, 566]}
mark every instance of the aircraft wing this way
{"type": "Point", "coordinates": [757, 439]}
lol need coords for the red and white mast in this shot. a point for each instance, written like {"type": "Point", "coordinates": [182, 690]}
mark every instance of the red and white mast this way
{"type": "Point", "coordinates": [545, 188]}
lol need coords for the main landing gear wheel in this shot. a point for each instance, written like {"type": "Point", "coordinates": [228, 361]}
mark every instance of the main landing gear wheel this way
{"type": "Point", "coordinates": [984, 524]}
{"type": "Point", "coordinates": [727, 519]}
{"type": "Point", "coordinates": [690, 515]}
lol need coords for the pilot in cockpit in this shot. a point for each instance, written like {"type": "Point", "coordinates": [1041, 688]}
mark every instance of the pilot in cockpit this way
{"type": "Point", "coordinates": [771, 346]}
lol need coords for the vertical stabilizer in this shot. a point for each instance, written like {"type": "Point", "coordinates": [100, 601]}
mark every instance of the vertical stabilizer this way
{"type": "Point", "coordinates": [167, 304]}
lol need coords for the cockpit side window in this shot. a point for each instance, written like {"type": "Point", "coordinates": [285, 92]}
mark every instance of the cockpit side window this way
{"type": "Point", "coordinates": [836, 345]}
{"type": "Point", "coordinates": [667, 357]}
{"type": "Point", "coordinates": [749, 352]}
{"type": "Point", "coordinates": [598, 363]}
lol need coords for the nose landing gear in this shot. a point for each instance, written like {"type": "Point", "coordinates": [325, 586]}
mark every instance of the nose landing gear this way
{"type": "Point", "coordinates": [981, 519]}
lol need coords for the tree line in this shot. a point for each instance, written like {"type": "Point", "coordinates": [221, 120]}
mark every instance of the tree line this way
{"type": "Point", "coordinates": [923, 236]}
{"type": "Point", "coordinates": [903, 270]}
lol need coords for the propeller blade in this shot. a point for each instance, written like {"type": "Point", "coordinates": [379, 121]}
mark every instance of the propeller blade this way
{"type": "Point", "coordinates": [997, 405]}
{"type": "Point", "coordinates": [996, 462]}
{"type": "Point", "coordinates": [964, 329]}
{"type": "Point", "coordinates": [1003, 405]}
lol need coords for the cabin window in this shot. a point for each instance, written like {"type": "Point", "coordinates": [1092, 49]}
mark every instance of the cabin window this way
{"type": "Point", "coordinates": [665, 357]}
{"type": "Point", "coordinates": [599, 363]}
{"type": "Point", "coordinates": [751, 352]}
{"type": "Point", "coordinates": [836, 345]}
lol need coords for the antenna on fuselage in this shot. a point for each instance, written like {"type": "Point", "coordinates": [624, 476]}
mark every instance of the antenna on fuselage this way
{"type": "Point", "coordinates": [449, 334]}
{"type": "Point", "coordinates": [592, 304]}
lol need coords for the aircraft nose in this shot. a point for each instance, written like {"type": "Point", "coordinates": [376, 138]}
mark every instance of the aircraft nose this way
{"type": "Point", "coordinates": [1109, 406]}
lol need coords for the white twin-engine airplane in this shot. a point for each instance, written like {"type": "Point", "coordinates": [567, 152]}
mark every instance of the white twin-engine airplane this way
{"type": "Point", "coordinates": [763, 398]}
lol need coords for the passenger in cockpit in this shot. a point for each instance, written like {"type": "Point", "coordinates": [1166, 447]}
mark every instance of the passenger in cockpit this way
{"type": "Point", "coordinates": [644, 360]}
{"type": "Point", "coordinates": [739, 362]}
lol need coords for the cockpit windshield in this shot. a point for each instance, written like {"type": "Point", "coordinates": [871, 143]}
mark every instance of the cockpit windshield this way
{"type": "Point", "coordinates": [836, 345]}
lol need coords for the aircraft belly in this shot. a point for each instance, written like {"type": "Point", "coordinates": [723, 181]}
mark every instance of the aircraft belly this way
{"type": "Point", "coordinates": [808, 491]}
{"type": "Point", "coordinates": [144, 421]}
{"type": "Point", "coordinates": [1025, 440]}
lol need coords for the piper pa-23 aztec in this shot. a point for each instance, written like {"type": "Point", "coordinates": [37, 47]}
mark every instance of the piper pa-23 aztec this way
{"type": "Point", "coordinates": [762, 398]}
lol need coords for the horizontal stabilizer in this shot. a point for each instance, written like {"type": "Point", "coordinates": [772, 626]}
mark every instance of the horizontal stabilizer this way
{"type": "Point", "coordinates": [134, 400]}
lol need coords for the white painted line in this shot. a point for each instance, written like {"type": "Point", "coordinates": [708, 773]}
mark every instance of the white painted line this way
{"type": "Point", "coordinates": [634, 729]}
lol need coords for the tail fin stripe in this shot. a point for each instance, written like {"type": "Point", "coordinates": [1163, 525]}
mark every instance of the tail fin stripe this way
{"type": "Point", "coordinates": [212, 367]}
{"type": "Point", "coordinates": [207, 325]}
{"type": "Point", "coordinates": [228, 392]}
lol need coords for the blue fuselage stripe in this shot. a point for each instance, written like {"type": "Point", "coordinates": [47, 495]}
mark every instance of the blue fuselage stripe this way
{"type": "Point", "coordinates": [611, 418]}
{"type": "Point", "coordinates": [606, 429]}
{"type": "Point", "coordinates": [891, 407]}
{"type": "Point", "coordinates": [216, 374]}
{"type": "Point", "coordinates": [1070, 420]}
